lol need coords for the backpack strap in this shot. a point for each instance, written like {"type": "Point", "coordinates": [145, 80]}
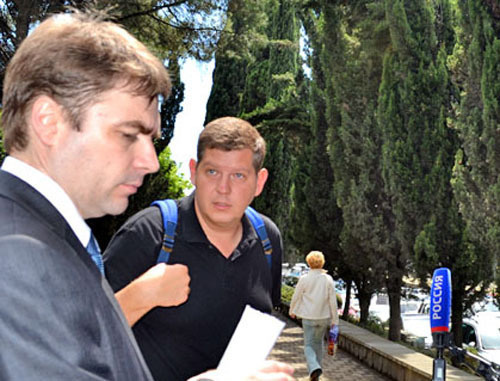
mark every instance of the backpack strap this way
{"type": "Point", "coordinates": [258, 224]}
{"type": "Point", "coordinates": [168, 209]}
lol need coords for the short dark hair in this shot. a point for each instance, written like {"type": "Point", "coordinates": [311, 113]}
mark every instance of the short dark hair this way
{"type": "Point", "coordinates": [73, 58]}
{"type": "Point", "coordinates": [229, 134]}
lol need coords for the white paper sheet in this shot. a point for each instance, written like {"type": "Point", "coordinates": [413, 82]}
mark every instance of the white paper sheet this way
{"type": "Point", "coordinates": [250, 344]}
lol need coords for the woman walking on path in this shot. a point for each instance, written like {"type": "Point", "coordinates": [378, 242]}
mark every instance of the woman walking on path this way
{"type": "Point", "coordinates": [315, 302]}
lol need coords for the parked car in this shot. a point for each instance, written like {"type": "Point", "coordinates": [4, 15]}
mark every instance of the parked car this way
{"type": "Point", "coordinates": [299, 269]}
{"type": "Point", "coordinates": [379, 306]}
{"type": "Point", "coordinates": [291, 274]}
{"type": "Point", "coordinates": [419, 326]}
{"type": "Point", "coordinates": [482, 332]}
{"type": "Point", "coordinates": [487, 305]}
{"type": "Point", "coordinates": [340, 285]}
{"type": "Point", "coordinates": [285, 269]}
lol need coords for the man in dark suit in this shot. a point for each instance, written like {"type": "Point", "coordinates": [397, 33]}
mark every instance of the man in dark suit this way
{"type": "Point", "coordinates": [80, 112]}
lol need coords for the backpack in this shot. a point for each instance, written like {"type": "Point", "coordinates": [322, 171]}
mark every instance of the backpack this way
{"type": "Point", "coordinates": [168, 209]}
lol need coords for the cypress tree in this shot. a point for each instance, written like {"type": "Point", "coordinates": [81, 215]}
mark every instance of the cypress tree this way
{"type": "Point", "coordinates": [271, 102]}
{"type": "Point", "coordinates": [283, 54]}
{"type": "Point", "coordinates": [245, 28]}
{"type": "Point", "coordinates": [443, 240]}
{"type": "Point", "coordinates": [476, 179]}
{"type": "Point", "coordinates": [317, 220]}
{"type": "Point", "coordinates": [353, 36]}
{"type": "Point", "coordinates": [170, 107]}
{"type": "Point", "coordinates": [418, 146]}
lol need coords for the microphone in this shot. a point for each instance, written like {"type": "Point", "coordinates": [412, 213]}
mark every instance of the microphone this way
{"type": "Point", "coordinates": [440, 319]}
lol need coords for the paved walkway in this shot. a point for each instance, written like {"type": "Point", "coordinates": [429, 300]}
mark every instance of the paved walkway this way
{"type": "Point", "coordinates": [342, 366]}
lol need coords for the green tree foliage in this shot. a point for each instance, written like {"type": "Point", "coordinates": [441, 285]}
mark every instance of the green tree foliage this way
{"type": "Point", "coordinates": [180, 28]}
{"type": "Point", "coordinates": [184, 28]}
{"type": "Point", "coordinates": [272, 78]}
{"type": "Point", "coordinates": [284, 52]}
{"type": "Point", "coordinates": [477, 166]}
{"type": "Point", "coordinates": [170, 107]}
{"type": "Point", "coordinates": [282, 119]}
{"type": "Point", "coordinates": [316, 219]}
{"type": "Point", "coordinates": [275, 199]}
{"type": "Point", "coordinates": [384, 90]}
{"type": "Point", "coordinates": [410, 100]}
{"type": "Point", "coordinates": [418, 147]}
{"type": "Point", "coordinates": [256, 88]}
{"type": "Point", "coordinates": [354, 143]}
{"type": "Point", "coordinates": [361, 168]}
{"type": "Point", "coordinates": [444, 241]}
{"type": "Point", "coordinates": [245, 29]}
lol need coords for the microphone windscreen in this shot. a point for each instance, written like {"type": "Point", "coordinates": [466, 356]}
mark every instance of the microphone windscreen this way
{"type": "Point", "coordinates": [440, 300]}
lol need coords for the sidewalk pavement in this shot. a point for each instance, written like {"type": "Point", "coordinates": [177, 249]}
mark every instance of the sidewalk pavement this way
{"type": "Point", "coordinates": [290, 349]}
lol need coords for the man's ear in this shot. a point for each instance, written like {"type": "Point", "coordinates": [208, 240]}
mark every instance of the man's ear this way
{"type": "Point", "coordinates": [262, 176]}
{"type": "Point", "coordinates": [46, 119]}
{"type": "Point", "coordinates": [192, 169]}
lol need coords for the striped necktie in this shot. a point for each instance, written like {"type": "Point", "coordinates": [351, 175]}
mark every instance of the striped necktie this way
{"type": "Point", "coordinates": [95, 253]}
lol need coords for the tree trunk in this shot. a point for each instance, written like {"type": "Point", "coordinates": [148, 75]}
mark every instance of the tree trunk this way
{"type": "Point", "coordinates": [457, 317]}
{"type": "Point", "coordinates": [394, 292]}
{"type": "Point", "coordinates": [347, 301]}
{"type": "Point", "coordinates": [364, 304]}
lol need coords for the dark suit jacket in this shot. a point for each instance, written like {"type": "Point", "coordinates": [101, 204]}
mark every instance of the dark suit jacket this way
{"type": "Point", "coordinates": [59, 319]}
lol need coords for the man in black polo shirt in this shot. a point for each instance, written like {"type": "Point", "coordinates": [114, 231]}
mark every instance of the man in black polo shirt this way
{"type": "Point", "coordinates": [215, 243]}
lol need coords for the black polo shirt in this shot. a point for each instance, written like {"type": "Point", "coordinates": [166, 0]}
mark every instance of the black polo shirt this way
{"type": "Point", "coordinates": [180, 342]}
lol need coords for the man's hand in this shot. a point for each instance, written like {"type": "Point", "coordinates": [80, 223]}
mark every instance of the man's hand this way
{"type": "Point", "coordinates": [162, 285]}
{"type": "Point", "coordinates": [165, 285]}
{"type": "Point", "coordinates": [269, 371]}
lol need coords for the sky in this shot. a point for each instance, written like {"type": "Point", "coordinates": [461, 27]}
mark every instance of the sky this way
{"type": "Point", "coordinates": [197, 78]}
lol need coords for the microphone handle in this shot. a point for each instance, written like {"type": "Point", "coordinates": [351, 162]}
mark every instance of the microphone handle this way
{"type": "Point", "coordinates": [439, 363]}
{"type": "Point", "coordinates": [439, 369]}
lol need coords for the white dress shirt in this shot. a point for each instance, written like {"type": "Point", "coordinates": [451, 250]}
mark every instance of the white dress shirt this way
{"type": "Point", "coordinates": [53, 192]}
{"type": "Point", "coordinates": [314, 297]}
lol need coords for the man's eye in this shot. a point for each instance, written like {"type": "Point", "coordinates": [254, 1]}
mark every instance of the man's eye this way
{"type": "Point", "coordinates": [211, 172]}
{"type": "Point", "coordinates": [130, 137]}
{"type": "Point", "coordinates": [239, 176]}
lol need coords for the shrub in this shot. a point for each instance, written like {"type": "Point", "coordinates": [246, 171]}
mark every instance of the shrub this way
{"type": "Point", "coordinates": [286, 293]}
